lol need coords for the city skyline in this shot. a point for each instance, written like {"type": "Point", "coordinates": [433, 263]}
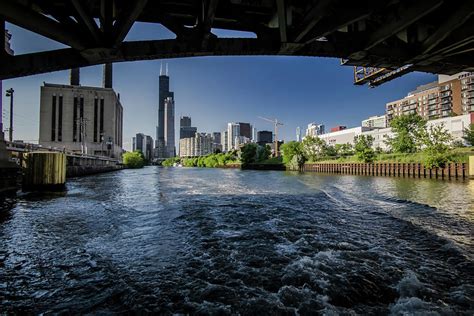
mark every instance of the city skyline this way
{"type": "Point", "coordinates": [295, 90]}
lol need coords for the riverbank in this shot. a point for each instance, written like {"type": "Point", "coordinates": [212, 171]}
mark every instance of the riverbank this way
{"type": "Point", "coordinates": [455, 171]}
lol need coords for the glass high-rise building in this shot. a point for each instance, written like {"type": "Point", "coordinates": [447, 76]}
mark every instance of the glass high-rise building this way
{"type": "Point", "coordinates": [163, 129]}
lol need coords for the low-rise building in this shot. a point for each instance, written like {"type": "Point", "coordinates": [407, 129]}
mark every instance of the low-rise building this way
{"type": "Point", "coordinates": [455, 125]}
{"type": "Point", "coordinates": [338, 128]}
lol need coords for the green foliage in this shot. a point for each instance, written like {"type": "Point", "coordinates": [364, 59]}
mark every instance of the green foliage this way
{"type": "Point", "coordinates": [248, 154]}
{"type": "Point", "coordinates": [171, 161]}
{"type": "Point", "coordinates": [210, 161]}
{"type": "Point", "coordinates": [407, 130]}
{"type": "Point", "coordinates": [469, 135]}
{"type": "Point", "coordinates": [436, 146]}
{"type": "Point", "coordinates": [290, 149]}
{"type": "Point", "coordinates": [263, 153]}
{"type": "Point", "coordinates": [314, 148]}
{"type": "Point", "coordinates": [363, 148]}
{"type": "Point", "coordinates": [133, 159]}
{"type": "Point", "coordinates": [297, 162]}
{"type": "Point", "coordinates": [344, 150]}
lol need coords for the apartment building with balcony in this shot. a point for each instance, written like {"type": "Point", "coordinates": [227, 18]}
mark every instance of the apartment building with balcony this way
{"type": "Point", "coordinates": [449, 96]}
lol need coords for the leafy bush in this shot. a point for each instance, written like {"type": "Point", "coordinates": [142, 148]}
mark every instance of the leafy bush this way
{"type": "Point", "coordinates": [290, 149]}
{"type": "Point", "coordinates": [133, 159]}
{"type": "Point", "coordinates": [436, 141]}
{"type": "Point", "coordinates": [169, 162]}
{"type": "Point", "coordinates": [297, 162]}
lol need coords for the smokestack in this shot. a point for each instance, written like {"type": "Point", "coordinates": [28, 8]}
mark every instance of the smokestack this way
{"type": "Point", "coordinates": [107, 79]}
{"type": "Point", "coordinates": [74, 77]}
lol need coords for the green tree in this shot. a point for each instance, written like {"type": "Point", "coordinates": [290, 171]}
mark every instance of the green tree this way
{"type": "Point", "coordinates": [297, 162]}
{"type": "Point", "coordinates": [248, 154]}
{"type": "Point", "coordinates": [363, 148]}
{"type": "Point", "coordinates": [407, 130]}
{"type": "Point", "coordinates": [133, 159]}
{"type": "Point", "coordinates": [263, 152]}
{"type": "Point", "coordinates": [436, 142]}
{"type": "Point", "coordinates": [314, 148]}
{"type": "Point", "coordinates": [290, 149]}
{"type": "Point", "coordinates": [344, 150]}
{"type": "Point", "coordinates": [469, 135]}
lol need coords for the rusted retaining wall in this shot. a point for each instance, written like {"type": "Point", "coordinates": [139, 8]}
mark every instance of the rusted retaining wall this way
{"type": "Point", "coordinates": [407, 170]}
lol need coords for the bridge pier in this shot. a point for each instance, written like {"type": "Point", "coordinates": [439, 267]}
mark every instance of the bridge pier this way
{"type": "Point", "coordinates": [44, 171]}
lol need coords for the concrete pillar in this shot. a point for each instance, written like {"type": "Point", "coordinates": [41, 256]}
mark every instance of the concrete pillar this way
{"type": "Point", "coordinates": [74, 77]}
{"type": "Point", "coordinates": [44, 171]}
{"type": "Point", "coordinates": [107, 76]}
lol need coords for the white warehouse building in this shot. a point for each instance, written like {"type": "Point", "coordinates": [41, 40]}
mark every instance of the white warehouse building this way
{"type": "Point", "coordinates": [455, 125]}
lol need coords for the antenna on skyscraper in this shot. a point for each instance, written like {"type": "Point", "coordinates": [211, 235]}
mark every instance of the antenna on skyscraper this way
{"type": "Point", "coordinates": [161, 69]}
{"type": "Point", "coordinates": [167, 69]}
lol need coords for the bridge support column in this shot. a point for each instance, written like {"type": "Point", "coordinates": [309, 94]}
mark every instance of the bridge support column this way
{"type": "Point", "coordinates": [44, 171]}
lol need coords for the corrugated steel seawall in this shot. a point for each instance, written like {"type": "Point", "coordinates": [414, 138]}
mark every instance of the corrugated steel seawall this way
{"type": "Point", "coordinates": [413, 170]}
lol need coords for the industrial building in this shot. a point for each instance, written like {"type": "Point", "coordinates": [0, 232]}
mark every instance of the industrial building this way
{"type": "Point", "coordinates": [82, 119]}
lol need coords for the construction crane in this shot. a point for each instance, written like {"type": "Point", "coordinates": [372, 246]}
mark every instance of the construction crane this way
{"type": "Point", "coordinates": [275, 126]}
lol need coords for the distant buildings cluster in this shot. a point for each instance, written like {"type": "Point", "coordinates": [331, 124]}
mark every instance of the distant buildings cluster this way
{"type": "Point", "coordinates": [89, 120]}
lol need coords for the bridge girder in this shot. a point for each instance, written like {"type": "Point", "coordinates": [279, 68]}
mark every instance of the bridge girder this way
{"type": "Point", "coordinates": [434, 36]}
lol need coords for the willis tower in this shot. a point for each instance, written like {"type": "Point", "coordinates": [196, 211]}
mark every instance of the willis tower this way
{"type": "Point", "coordinates": [164, 146]}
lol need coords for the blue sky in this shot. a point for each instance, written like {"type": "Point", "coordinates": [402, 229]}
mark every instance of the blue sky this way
{"type": "Point", "coordinates": [216, 90]}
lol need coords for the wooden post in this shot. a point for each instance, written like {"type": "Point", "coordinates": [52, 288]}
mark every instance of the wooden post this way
{"type": "Point", "coordinates": [471, 167]}
{"type": "Point", "coordinates": [44, 171]}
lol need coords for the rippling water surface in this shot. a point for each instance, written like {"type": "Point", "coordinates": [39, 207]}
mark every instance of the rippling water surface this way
{"type": "Point", "coordinates": [213, 241]}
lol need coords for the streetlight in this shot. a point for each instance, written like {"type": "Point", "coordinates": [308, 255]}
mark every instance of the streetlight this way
{"type": "Point", "coordinates": [10, 94]}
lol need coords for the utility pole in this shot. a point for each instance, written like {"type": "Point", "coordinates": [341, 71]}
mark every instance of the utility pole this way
{"type": "Point", "coordinates": [10, 94]}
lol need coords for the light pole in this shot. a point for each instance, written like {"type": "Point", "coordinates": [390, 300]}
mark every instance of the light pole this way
{"type": "Point", "coordinates": [10, 94]}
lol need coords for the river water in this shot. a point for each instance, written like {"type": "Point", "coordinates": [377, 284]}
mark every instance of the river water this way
{"type": "Point", "coordinates": [217, 241]}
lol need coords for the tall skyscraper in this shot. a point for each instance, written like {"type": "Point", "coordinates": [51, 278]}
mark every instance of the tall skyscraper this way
{"type": "Point", "coordinates": [170, 150]}
{"type": "Point", "coordinates": [161, 146]}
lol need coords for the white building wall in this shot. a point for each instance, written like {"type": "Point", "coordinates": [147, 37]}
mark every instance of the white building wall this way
{"type": "Point", "coordinates": [113, 118]}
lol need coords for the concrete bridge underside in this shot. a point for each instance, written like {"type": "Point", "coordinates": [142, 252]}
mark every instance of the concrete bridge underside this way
{"type": "Point", "coordinates": [400, 35]}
